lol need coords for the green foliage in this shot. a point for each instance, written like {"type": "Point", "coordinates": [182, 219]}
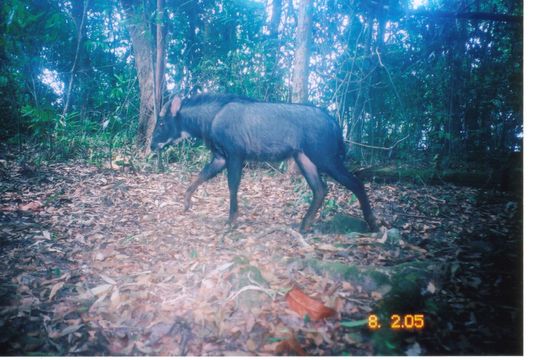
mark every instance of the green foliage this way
{"type": "Point", "coordinates": [450, 88]}
{"type": "Point", "coordinates": [42, 120]}
{"type": "Point", "coordinates": [36, 50]}
{"type": "Point", "coordinates": [353, 323]}
{"type": "Point", "coordinates": [186, 155]}
{"type": "Point", "coordinates": [330, 206]}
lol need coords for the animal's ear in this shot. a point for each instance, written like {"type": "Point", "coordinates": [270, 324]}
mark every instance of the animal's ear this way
{"type": "Point", "coordinates": [175, 106]}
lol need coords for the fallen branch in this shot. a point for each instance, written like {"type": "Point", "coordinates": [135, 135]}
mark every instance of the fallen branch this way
{"type": "Point", "coordinates": [391, 82]}
{"type": "Point", "coordinates": [377, 147]}
{"type": "Point", "coordinates": [272, 167]}
{"type": "Point", "coordinates": [294, 234]}
{"type": "Point", "coordinates": [415, 248]}
{"type": "Point", "coordinates": [431, 218]}
{"type": "Point", "coordinates": [75, 62]}
{"type": "Point", "coordinates": [482, 16]}
{"type": "Point", "coordinates": [270, 293]}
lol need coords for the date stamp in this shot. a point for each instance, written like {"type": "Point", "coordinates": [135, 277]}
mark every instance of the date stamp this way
{"type": "Point", "coordinates": [397, 322]}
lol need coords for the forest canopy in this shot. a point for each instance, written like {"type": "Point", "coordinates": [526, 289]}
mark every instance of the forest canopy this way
{"type": "Point", "coordinates": [423, 80]}
{"type": "Point", "coordinates": [412, 243]}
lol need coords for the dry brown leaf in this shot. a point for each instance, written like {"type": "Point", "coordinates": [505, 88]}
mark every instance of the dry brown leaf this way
{"type": "Point", "coordinates": [107, 279]}
{"type": "Point", "coordinates": [97, 302]}
{"type": "Point", "coordinates": [156, 332]}
{"type": "Point", "coordinates": [32, 206]}
{"type": "Point", "coordinates": [101, 289]}
{"type": "Point", "coordinates": [384, 236]}
{"type": "Point", "coordinates": [55, 288]}
{"type": "Point", "coordinates": [416, 248]}
{"type": "Point", "coordinates": [290, 346]}
{"type": "Point", "coordinates": [115, 297]}
{"type": "Point", "coordinates": [68, 330]}
{"type": "Point", "coordinates": [143, 348]}
{"type": "Point", "coordinates": [346, 286]}
{"type": "Point", "coordinates": [251, 345]}
{"type": "Point", "coordinates": [327, 247]}
{"type": "Point", "coordinates": [431, 287]}
{"type": "Point", "coordinates": [376, 295]}
{"type": "Point", "coordinates": [250, 322]}
{"type": "Point", "coordinates": [303, 305]}
{"type": "Point", "coordinates": [56, 280]}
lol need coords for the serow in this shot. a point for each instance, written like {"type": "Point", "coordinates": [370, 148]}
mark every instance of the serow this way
{"type": "Point", "coordinates": [237, 129]}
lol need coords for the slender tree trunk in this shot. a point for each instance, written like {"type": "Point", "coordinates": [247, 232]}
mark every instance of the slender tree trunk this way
{"type": "Point", "coordinates": [75, 63]}
{"type": "Point", "coordinates": [299, 88]}
{"type": "Point", "coordinates": [299, 93]}
{"type": "Point", "coordinates": [272, 49]}
{"type": "Point", "coordinates": [139, 32]}
{"type": "Point", "coordinates": [356, 124]}
{"type": "Point", "coordinates": [160, 52]}
{"type": "Point", "coordinates": [469, 16]}
{"type": "Point", "coordinates": [276, 17]}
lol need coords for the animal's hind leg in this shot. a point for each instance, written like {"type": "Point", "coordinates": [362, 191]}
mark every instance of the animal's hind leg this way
{"type": "Point", "coordinates": [338, 172]}
{"type": "Point", "coordinates": [234, 174]}
{"type": "Point", "coordinates": [319, 190]}
{"type": "Point", "coordinates": [215, 166]}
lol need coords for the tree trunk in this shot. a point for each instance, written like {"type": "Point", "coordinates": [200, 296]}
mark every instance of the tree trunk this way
{"type": "Point", "coordinates": [356, 123]}
{"type": "Point", "coordinates": [271, 55]}
{"type": "Point", "coordinates": [299, 88]}
{"type": "Point", "coordinates": [139, 32]}
{"type": "Point", "coordinates": [160, 53]}
{"type": "Point", "coordinates": [276, 17]}
{"type": "Point", "coordinates": [80, 30]}
{"type": "Point", "coordinates": [469, 16]}
{"type": "Point", "coordinates": [299, 91]}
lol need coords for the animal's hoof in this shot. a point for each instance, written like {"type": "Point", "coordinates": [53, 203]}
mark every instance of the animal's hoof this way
{"type": "Point", "coordinates": [231, 225]}
{"type": "Point", "coordinates": [232, 220]}
{"type": "Point", "coordinates": [232, 217]}
{"type": "Point", "coordinates": [373, 224]}
{"type": "Point", "coordinates": [186, 206]}
{"type": "Point", "coordinates": [374, 228]}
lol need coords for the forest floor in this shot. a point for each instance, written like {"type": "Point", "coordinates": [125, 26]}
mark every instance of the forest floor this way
{"type": "Point", "coordinates": [104, 262]}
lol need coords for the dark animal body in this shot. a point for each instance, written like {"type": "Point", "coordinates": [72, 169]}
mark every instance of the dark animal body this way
{"type": "Point", "coordinates": [238, 129]}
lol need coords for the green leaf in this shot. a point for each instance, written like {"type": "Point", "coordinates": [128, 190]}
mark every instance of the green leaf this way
{"type": "Point", "coordinates": [353, 323]}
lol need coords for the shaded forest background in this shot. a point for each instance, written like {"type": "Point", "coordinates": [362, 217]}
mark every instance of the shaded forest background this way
{"type": "Point", "coordinates": [422, 89]}
{"type": "Point", "coordinates": [102, 259]}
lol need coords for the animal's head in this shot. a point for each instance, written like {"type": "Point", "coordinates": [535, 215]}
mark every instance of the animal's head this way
{"type": "Point", "coordinates": [168, 130]}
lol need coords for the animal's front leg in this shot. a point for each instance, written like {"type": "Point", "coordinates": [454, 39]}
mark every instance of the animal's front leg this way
{"type": "Point", "coordinates": [234, 169]}
{"type": "Point", "coordinates": [215, 166]}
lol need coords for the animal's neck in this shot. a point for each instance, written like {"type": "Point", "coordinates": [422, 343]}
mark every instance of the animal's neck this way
{"type": "Point", "coordinates": [198, 113]}
{"type": "Point", "coordinates": [198, 119]}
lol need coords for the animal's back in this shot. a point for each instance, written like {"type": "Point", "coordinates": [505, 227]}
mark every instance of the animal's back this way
{"type": "Point", "coordinates": [275, 131]}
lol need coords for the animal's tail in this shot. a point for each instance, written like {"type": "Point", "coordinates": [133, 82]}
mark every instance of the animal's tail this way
{"type": "Point", "coordinates": [337, 130]}
{"type": "Point", "coordinates": [342, 148]}
{"type": "Point", "coordinates": [340, 142]}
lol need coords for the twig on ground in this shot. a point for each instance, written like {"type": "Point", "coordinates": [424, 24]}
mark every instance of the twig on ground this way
{"type": "Point", "coordinates": [377, 147]}
{"type": "Point", "coordinates": [270, 293]}
{"type": "Point", "coordinates": [435, 219]}
{"type": "Point", "coordinates": [294, 234]}
{"type": "Point", "coordinates": [273, 168]}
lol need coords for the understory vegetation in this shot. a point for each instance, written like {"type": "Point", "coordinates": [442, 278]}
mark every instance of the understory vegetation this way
{"type": "Point", "coordinates": [433, 84]}
{"type": "Point", "coordinates": [100, 257]}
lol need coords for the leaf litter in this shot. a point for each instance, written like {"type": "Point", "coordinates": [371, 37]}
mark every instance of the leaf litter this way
{"type": "Point", "coordinates": [103, 262]}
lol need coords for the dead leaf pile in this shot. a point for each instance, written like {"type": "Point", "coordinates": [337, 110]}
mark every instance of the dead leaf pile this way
{"type": "Point", "coordinates": [100, 262]}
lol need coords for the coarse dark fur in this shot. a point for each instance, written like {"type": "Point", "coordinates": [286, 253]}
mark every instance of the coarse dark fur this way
{"type": "Point", "coordinates": [238, 129]}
